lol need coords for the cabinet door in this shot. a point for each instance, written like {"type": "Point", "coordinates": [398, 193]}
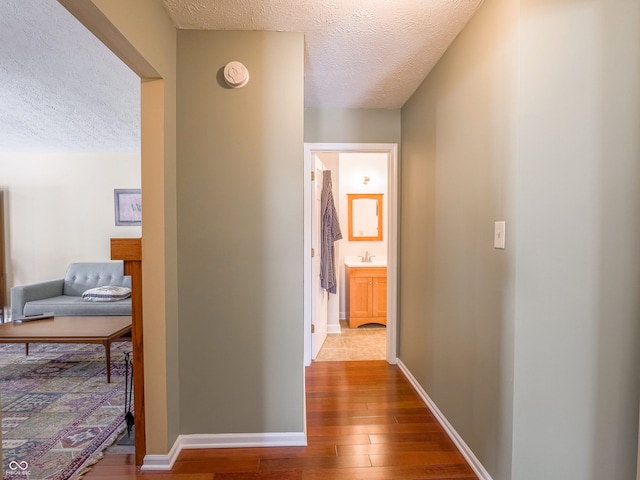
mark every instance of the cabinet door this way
{"type": "Point", "coordinates": [379, 301]}
{"type": "Point", "coordinates": [360, 297]}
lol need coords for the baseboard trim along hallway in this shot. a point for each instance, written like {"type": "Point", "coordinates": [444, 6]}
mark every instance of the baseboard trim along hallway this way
{"type": "Point", "coordinates": [469, 456]}
{"type": "Point", "coordinates": [227, 440]}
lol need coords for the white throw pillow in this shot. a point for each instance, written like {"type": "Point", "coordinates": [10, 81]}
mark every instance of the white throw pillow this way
{"type": "Point", "coordinates": [107, 293]}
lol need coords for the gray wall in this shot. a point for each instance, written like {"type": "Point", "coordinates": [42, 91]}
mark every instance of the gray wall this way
{"type": "Point", "coordinates": [335, 125]}
{"type": "Point", "coordinates": [239, 180]}
{"type": "Point", "coordinates": [578, 256]}
{"type": "Point", "coordinates": [456, 319]}
{"type": "Point", "coordinates": [532, 116]}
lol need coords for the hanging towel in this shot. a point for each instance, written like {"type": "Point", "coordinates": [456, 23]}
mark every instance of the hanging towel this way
{"type": "Point", "coordinates": [330, 232]}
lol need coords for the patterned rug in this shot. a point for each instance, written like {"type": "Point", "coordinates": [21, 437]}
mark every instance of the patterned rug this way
{"type": "Point", "coordinates": [58, 411]}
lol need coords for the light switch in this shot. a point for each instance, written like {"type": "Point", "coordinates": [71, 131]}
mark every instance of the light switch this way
{"type": "Point", "coordinates": [498, 235]}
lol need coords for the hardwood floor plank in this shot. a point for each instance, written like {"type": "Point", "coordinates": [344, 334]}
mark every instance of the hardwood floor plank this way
{"type": "Point", "coordinates": [392, 448]}
{"type": "Point", "coordinates": [417, 472]}
{"type": "Point", "coordinates": [403, 437]}
{"type": "Point", "coordinates": [312, 463]}
{"type": "Point", "coordinates": [414, 403]}
{"type": "Point", "coordinates": [334, 440]}
{"type": "Point", "coordinates": [277, 475]}
{"type": "Point", "coordinates": [100, 474]}
{"type": "Point", "coordinates": [418, 414]}
{"type": "Point", "coordinates": [222, 465]}
{"type": "Point", "coordinates": [424, 428]}
{"type": "Point", "coordinates": [172, 476]}
{"type": "Point", "coordinates": [348, 418]}
{"type": "Point", "coordinates": [319, 450]}
{"type": "Point", "coordinates": [417, 458]}
{"type": "Point", "coordinates": [413, 418]}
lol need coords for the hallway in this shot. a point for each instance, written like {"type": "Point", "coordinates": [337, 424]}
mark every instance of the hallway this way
{"type": "Point", "coordinates": [364, 420]}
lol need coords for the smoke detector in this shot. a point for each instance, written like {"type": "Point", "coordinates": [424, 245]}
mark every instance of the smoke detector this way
{"type": "Point", "coordinates": [236, 74]}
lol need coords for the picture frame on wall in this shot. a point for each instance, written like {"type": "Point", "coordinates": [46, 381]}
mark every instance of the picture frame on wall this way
{"type": "Point", "coordinates": [128, 206]}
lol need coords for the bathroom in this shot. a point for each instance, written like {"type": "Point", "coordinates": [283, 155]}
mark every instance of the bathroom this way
{"type": "Point", "coordinates": [354, 174]}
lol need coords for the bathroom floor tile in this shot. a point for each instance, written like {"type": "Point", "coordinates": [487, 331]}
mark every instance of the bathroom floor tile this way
{"type": "Point", "coordinates": [368, 342]}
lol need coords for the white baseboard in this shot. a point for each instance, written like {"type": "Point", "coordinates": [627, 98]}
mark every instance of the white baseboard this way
{"type": "Point", "coordinates": [334, 329]}
{"type": "Point", "coordinates": [227, 440]}
{"type": "Point", "coordinates": [466, 452]}
{"type": "Point", "coordinates": [162, 462]}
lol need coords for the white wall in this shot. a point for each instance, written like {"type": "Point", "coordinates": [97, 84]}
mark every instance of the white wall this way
{"type": "Point", "coordinates": [59, 209]}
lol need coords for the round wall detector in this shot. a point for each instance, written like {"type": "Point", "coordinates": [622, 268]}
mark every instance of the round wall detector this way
{"type": "Point", "coordinates": [236, 74]}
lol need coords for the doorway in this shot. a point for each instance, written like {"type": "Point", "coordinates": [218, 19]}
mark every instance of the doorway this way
{"type": "Point", "coordinates": [311, 151]}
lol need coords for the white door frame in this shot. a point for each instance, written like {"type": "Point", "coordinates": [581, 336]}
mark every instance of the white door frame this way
{"type": "Point", "coordinates": [391, 149]}
{"type": "Point", "coordinates": [319, 296]}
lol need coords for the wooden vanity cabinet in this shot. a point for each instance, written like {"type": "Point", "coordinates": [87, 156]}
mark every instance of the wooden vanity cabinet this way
{"type": "Point", "coordinates": [366, 291]}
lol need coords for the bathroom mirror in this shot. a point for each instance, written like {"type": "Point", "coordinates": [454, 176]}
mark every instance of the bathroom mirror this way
{"type": "Point", "coordinates": [365, 217]}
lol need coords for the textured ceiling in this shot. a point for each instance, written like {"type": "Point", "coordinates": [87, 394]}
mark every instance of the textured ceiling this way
{"type": "Point", "coordinates": [62, 90]}
{"type": "Point", "coordinates": [359, 53]}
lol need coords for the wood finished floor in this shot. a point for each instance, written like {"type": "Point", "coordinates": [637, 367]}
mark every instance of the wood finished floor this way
{"type": "Point", "coordinates": [364, 421]}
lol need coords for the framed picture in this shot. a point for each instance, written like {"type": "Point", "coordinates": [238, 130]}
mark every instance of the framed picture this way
{"type": "Point", "coordinates": [128, 206]}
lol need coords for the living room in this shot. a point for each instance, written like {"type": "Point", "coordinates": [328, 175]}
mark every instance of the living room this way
{"type": "Point", "coordinates": [69, 138]}
{"type": "Point", "coordinates": [59, 175]}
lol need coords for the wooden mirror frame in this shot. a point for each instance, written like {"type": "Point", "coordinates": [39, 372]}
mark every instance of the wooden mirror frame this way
{"type": "Point", "coordinates": [372, 196]}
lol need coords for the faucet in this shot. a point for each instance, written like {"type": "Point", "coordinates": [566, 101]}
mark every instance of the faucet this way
{"type": "Point", "coordinates": [367, 258]}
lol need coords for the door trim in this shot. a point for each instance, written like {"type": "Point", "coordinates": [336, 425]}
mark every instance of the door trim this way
{"type": "Point", "coordinates": [319, 333]}
{"type": "Point", "coordinates": [391, 149]}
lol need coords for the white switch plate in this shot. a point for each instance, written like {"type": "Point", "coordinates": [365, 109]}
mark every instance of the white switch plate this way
{"type": "Point", "coordinates": [498, 235]}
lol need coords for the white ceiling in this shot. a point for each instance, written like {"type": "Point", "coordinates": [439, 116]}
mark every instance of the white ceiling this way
{"type": "Point", "coordinates": [62, 90]}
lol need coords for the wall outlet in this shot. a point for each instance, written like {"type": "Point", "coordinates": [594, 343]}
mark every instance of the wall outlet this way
{"type": "Point", "coordinates": [498, 235]}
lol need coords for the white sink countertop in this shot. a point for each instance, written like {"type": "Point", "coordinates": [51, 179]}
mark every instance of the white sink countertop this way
{"type": "Point", "coordinates": [355, 261]}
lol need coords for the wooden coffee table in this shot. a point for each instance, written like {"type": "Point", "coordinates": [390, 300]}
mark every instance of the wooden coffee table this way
{"type": "Point", "coordinates": [89, 329]}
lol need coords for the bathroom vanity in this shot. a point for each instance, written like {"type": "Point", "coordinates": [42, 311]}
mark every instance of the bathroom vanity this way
{"type": "Point", "coordinates": [366, 294]}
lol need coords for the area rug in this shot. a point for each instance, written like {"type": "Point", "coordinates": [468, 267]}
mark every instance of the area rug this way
{"type": "Point", "coordinates": [58, 411]}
